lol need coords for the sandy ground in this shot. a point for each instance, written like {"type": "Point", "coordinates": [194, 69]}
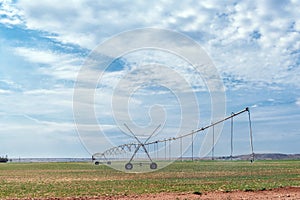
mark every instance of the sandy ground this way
{"type": "Point", "coordinates": [288, 193]}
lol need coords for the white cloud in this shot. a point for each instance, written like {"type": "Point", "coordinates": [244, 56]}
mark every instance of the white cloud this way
{"type": "Point", "coordinates": [83, 23]}
{"type": "Point", "coordinates": [53, 103]}
{"type": "Point", "coordinates": [59, 65]}
{"type": "Point", "coordinates": [298, 102]}
{"type": "Point", "coordinates": [242, 37]}
{"type": "Point", "coordinates": [253, 44]}
{"type": "Point", "coordinates": [37, 56]}
{"type": "Point", "coordinates": [4, 91]}
{"type": "Point", "coordinates": [9, 14]}
{"type": "Point", "coordinates": [8, 86]}
{"type": "Point", "coordinates": [153, 66]}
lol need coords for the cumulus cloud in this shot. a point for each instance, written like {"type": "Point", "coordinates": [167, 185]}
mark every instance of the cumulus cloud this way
{"type": "Point", "coordinates": [242, 37]}
{"type": "Point", "coordinates": [9, 14]}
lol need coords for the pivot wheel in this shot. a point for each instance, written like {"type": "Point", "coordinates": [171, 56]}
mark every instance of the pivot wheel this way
{"type": "Point", "coordinates": [153, 165]}
{"type": "Point", "coordinates": [128, 166]}
{"type": "Point", "coordinates": [97, 163]}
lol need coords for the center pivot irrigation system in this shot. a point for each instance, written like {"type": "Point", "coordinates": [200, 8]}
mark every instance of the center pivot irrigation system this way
{"type": "Point", "coordinates": [130, 150]}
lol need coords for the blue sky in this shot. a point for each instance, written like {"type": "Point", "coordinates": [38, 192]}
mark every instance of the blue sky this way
{"type": "Point", "coordinates": [255, 46]}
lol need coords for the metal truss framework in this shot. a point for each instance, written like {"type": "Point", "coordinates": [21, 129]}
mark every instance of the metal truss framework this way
{"type": "Point", "coordinates": [133, 147]}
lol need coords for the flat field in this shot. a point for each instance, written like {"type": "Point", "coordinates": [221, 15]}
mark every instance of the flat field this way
{"type": "Point", "coordinates": [50, 180]}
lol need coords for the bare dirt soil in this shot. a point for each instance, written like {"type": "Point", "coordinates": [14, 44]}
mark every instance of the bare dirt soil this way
{"type": "Point", "coordinates": [288, 193]}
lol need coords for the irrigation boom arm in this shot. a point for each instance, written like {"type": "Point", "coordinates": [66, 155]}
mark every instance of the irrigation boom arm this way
{"type": "Point", "coordinates": [206, 127]}
{"type": "Point", "coordinates": [218, 122]}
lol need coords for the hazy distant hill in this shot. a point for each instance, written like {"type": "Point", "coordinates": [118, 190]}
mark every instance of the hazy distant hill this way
{"type": "Point", "coordinates": [276, 156]}
{"type": "Point", "coordinates": [262, 156]}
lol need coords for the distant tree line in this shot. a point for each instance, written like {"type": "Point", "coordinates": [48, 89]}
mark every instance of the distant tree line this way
{"type": "Point", "coordinates": [4, 159]}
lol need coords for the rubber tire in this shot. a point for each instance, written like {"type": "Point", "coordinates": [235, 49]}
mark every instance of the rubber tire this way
{"type": "Point", "coordinates": [153, 165]}
{"type": "Point", "coordinates": [97, 163]}
{"type": "Point", "coordinates": [128, 166]}
{"type": "Point", "coordinates": [109, 162]}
